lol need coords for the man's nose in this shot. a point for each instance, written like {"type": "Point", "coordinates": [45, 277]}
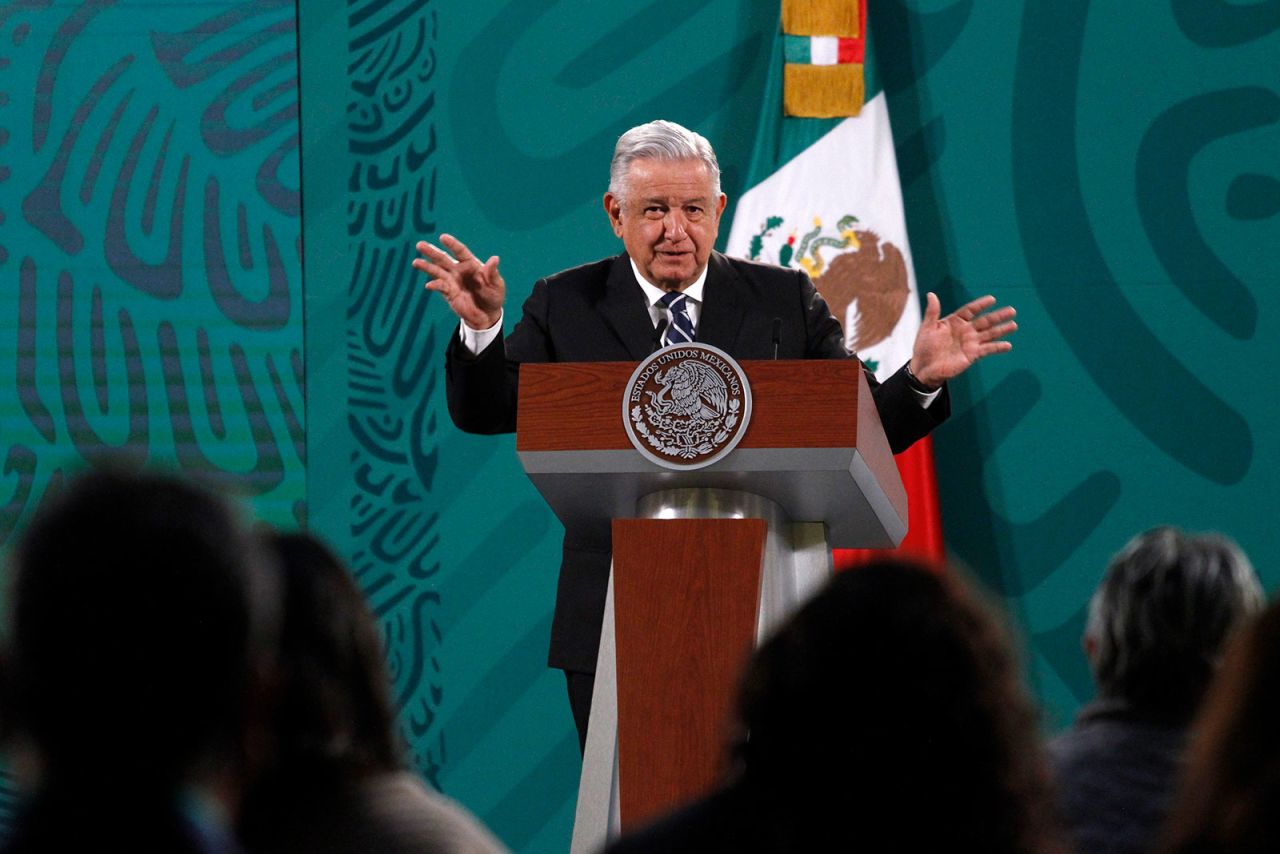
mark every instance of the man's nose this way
{"type": "Point", "coordinates": [674, 225]}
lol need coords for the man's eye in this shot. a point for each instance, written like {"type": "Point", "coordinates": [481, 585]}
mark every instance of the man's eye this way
{"type": "Point", "coordinates": [654, 212]}
{"type": "Point", "coordinates": [693, 212]}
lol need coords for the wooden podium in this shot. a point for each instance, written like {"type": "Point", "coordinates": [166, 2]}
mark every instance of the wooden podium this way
{"type": "Point", "coordinates": [705, 562]}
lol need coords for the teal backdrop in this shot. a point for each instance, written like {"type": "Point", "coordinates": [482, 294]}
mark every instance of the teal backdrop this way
{"type": "Point", "coordinates": [150, 252]}
{"type": "Point", "coordinates": [169, 170]}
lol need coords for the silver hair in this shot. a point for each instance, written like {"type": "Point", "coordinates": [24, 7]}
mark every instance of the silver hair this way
{"type": "Point", "coordinates": [1159, 620]}
{"type": "Point", "coordinates": [660, 140]}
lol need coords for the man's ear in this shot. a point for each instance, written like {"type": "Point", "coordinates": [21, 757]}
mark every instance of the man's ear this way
{"type": "Point", "coordinates": [613, 207]}
{"type": "Point", "coordinates": [720, 203]}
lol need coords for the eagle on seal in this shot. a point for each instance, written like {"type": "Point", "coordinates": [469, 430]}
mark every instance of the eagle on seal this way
{"type": "Point", "coordinates": [690, 389]}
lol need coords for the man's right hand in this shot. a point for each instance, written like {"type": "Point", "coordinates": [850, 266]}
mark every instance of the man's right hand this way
{"type": "Point", "coordinates": [475, 292]}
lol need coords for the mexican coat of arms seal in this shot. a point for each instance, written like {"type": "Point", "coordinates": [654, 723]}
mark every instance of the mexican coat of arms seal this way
{"type": "Point", "coordinates": [686, 406]}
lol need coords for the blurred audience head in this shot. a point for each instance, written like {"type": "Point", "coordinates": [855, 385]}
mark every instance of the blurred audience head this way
{"type": "Point", "coordinates": [336, 780]}
{"type": "Point", "coordinates": [1229, 799]}
{"type": "Point", "coordinates": [1158, 620]}
{"type": "Point", "coordinates": [142, 618]}
{"type": "Point", "coordinates": [895, 688]}
{"type": "Point", "coordinates": [335, 713]}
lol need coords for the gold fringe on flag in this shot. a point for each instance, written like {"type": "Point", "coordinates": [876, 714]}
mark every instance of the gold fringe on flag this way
{"type": "Point", "coordinates": [822, 91]}
{"type": "Point", "coordinates": [820, 18]}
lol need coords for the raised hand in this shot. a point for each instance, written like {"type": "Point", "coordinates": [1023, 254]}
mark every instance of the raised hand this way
{"type": "Point", "coordinates": [474, 291]}
{"type": "Point", "coordinates": [945, 347]}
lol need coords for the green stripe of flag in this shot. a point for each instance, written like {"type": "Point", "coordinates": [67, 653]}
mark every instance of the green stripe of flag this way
{"type": "Point", "coordinates": [795, 49]}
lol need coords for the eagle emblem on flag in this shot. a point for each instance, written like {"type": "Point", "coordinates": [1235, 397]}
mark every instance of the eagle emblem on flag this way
{"type": "Point", "coordinates": [850, 266]}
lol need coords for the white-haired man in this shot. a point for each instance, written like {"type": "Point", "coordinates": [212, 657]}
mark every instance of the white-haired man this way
{"type": "Point", "coordinates": [664, 202]}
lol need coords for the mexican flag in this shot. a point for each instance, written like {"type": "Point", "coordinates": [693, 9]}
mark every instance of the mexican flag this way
{"type": "Point", "coordinates": [825, 198]}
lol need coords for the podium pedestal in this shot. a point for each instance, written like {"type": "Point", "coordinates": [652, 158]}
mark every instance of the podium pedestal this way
{"type": "Point", "coordinates": [668, 672]}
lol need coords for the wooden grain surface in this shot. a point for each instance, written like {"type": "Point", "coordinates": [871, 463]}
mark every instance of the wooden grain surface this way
{"type": "Point", "coordinates": [685, 595]}
{"type": "Point", "coordinates": [796, 403]}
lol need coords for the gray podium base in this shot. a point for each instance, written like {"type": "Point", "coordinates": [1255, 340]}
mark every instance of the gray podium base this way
{"type": "Point", "coordinates": [797, 561]}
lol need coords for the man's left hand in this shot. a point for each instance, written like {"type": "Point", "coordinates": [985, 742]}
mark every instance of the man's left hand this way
{"type": "Point", "coordinates": [945, 347]}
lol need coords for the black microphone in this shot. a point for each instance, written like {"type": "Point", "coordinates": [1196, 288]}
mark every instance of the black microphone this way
{"type": "Point", "coordinates": [657, 334]}
{"type": "Point", "coordinates": [777, 335]}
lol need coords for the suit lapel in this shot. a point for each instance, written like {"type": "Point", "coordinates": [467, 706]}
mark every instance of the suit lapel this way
{"type": "Point", "coordinates": [624, 310]}
{"type": "Point", "coordinates": [721, 312]}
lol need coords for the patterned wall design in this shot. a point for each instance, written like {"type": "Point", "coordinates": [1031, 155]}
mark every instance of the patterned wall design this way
{"type": "Point", "coordinates": [1113, 173]}
{"type": "Point", "coordinates": [392, 377]}
{"type": "Point", "coordinates": [489, 722]}
{"type": "Point", "coordinates": [150, 255]}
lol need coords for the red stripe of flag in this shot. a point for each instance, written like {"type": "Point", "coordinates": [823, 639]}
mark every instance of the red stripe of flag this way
{"type": "Point", "coordinates": [850, 51]}
{"type": "Point", "coordinates": [854, 50]}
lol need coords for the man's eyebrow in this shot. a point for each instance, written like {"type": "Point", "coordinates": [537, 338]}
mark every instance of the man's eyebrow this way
{"type": "Point", "coordinates": [666, 200]}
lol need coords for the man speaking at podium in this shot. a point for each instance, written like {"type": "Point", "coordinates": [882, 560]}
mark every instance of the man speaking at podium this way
{"type": "Point", "coordinates": [668, 286]}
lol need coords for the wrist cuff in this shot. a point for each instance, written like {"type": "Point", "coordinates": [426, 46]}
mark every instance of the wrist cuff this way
{"type": "Point", "coordinates": [915, 381]}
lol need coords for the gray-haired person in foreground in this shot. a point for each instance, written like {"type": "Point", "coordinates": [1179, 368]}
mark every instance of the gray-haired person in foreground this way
{"type": "Point", "coordinates": [1157, 625]}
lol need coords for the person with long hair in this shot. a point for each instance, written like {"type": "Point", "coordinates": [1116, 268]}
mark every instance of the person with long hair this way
{"type": "Point", "coordinates": [336, 781]}
{"type": "Point", "coordinates": [886, 714]}
{"type": "Point", "coordinates": [1229, 796]}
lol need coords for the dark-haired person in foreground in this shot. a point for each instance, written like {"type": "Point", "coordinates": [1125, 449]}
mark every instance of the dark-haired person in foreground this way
{"type": "Point", "coordinates": [1228, 800]}
{"type": "Point", "coordinates": [1157, 625]}
{"type": "Point", "coordinates": [142, 622]}
{"type": "Point", "coordinates": [885, 715]}
{"type": "Point", "coordinates": [336, 781]}
{"type": "Point", "coordinates": [664, 203]}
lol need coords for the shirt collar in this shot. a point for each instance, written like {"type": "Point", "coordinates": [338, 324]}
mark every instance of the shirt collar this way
{"type": "Point", "coordinates": [653, 293]}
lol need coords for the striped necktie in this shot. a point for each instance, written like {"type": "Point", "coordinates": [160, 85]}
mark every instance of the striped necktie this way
{"type": "Point", "coordinates": [680, 328]}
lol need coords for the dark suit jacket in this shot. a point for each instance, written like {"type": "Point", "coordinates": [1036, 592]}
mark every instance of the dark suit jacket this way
{"type": "Point", "coordinates": [597, 313]}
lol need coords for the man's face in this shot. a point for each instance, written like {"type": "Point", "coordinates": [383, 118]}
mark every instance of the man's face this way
{"type": "Point", "coordinates": [668, 220]}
